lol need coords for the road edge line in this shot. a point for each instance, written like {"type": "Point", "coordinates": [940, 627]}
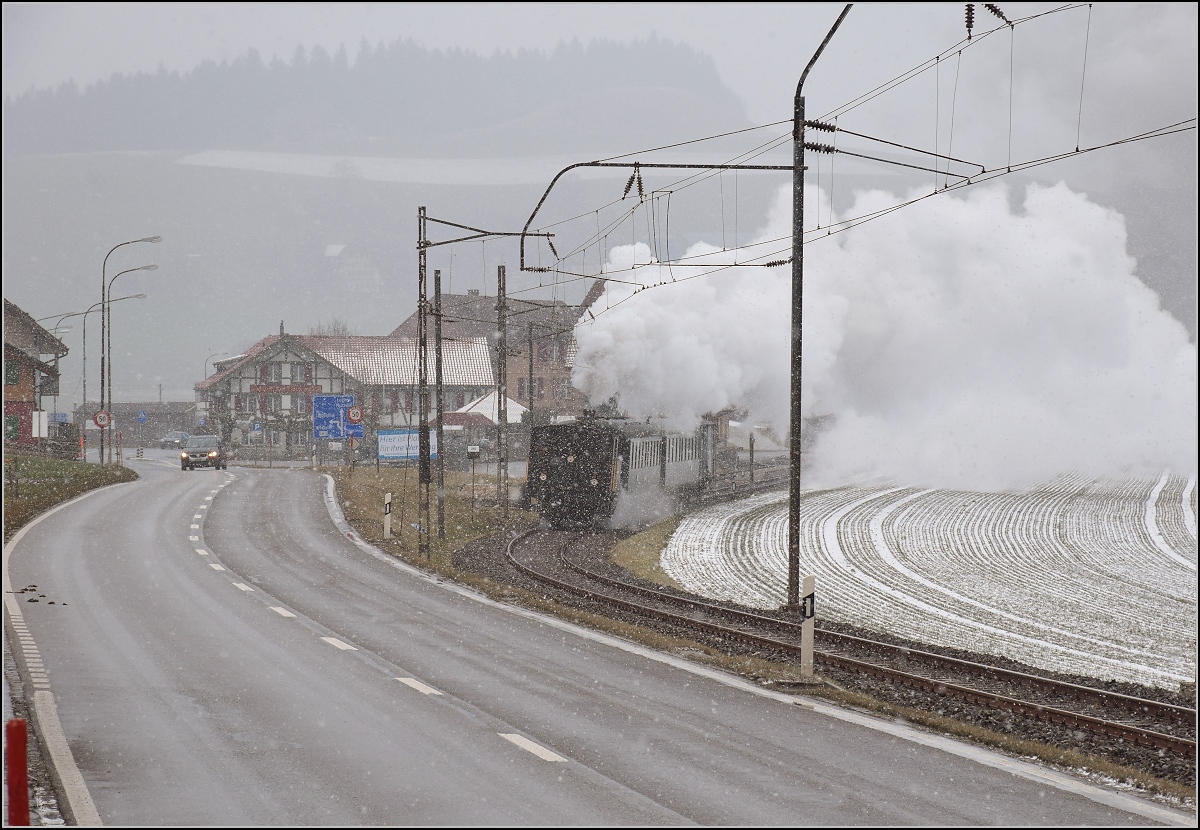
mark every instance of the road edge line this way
{"type": "Point", "coordinates": [1127, 803]}
{"type": "Point", "coordinates": [77, 805]}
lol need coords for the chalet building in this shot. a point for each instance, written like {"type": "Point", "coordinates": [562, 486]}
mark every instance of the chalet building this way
{"type": "Point", "coordinates": [274, 381]}
{"type": "Point", "coordinates": [543, 327]}
{"type": "Point", "coordinates": [27, 376]}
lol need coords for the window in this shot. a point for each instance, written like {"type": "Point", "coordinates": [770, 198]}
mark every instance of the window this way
{"type": "Point", "coordinates": [276, 372]}
{"type": "Point", "coordinates": [12, 373]}
{"type": "Point", "coordinates": [460, 400]}
{"type": "Point", "coordinates": [249, 403]}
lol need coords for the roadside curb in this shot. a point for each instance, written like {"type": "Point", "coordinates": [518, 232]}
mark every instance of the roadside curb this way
{"type": "Point", "coordinates": [76, 802]}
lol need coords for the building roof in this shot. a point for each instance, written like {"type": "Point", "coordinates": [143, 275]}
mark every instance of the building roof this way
{"type": "Point", "coordinates": [23, 332]}
{"type": "Point", "coordinates": [376, 361]}
{"type": "Point", "coordinates": [392, 361]}
{"type": "Point", "coordinates": [488, 407]}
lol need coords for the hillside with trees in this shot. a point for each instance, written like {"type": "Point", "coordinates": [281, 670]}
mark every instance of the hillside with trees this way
{"type": "Point", "coordinates": [391, 99]}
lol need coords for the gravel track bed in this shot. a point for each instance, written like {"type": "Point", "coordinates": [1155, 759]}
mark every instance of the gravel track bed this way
{"type": "Point", "coordinates": [487, 557]}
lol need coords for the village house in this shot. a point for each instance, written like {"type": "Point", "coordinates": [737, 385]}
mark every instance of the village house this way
{"type": "Point", "coordinates": [27, 376]}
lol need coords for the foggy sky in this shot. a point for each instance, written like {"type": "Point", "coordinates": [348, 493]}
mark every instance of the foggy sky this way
{"type": "Point", "coordinates": [1141, 74]}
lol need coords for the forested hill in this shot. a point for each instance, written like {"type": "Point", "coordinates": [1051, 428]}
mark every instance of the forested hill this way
{"type": "Point", "coordinates": [398, 98]}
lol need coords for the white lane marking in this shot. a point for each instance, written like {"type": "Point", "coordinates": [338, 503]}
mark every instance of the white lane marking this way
{"type": "Point", "coordinates": [952, 746]}
{"type": "Point", "coordinates": [198, 516]}
{"type": "Point", "coordinates": [334, 641]}
{"type": "Point", "coordinates": [215, 566]}
{"type": "Point", "coordinates": [193, 538]}
{"type": "Point", "coordinates": [201, 551]}
{"type": "Point", "coordinates": [242, 586]}
{"type": "Point", "coordinates": [283, 612]}
{"type": "Point", "coordinates": [530, 746]}
{"type": "Point", "coordinates": [196, 527]}
{"type": "Point", "coordinates": [209, 498]}
{"type": "Point", "coordinates": [418, 685]}
{"type": "Point", "coordinates": [202, 507]}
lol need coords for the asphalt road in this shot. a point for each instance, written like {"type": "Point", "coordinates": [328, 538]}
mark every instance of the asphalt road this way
{"type": "Point", "coordinates": [221, 653]}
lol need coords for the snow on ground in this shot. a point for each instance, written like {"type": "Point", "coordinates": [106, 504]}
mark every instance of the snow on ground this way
{"type": "Point", "coordinates": [1095, 577]}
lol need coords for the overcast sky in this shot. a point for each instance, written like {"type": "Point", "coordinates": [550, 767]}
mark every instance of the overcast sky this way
{"type": "Point", "coordinates": [759, 49]}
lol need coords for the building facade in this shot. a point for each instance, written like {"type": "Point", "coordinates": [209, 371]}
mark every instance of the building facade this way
{"type": "Point", "coordinates": [272, 384]}
{"type": "Point", "coordinates": [27, 376]}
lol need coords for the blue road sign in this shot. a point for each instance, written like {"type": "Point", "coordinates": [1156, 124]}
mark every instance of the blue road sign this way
{"type": "Point", "coordinates": [141, 416]}
{"type": "Point", "coordinates": [257, 426]}
{"type": "Point", "coordinates": [203, 421]}
{"type": "Point", "coordinates": [329, 418]}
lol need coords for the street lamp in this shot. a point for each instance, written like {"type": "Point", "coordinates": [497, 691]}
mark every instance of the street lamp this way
{"type": "Point", "coordinates": [104, 315]}
{"type": "Point", "coordinates": [84, 315]}
{"type": "Point", "coordinates": [106, 337]}
{"type": "Point", "coordinates": [210, 357]}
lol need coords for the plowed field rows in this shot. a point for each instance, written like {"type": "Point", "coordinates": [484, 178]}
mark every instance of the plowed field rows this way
{"type": "Point", "coordinates": [1078, 576]}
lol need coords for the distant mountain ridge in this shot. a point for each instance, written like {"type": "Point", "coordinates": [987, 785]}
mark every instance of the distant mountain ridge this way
{"type": "Point", "coordinates": [398, 98]}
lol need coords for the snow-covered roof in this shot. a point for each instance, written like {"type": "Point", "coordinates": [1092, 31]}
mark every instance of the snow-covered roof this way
{"type": "Point", "coordinates": [392, 361]}
{"type": "Point", "coordinates": [488, 407]}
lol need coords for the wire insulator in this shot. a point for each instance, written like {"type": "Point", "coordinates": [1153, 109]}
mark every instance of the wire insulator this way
{"type": "Point", "coordinates": [637, 171]}
{"type": "Point", "coordinates": [540, 270]}
{"type": "Point", "coordinates": [819, 148]}
{"type": "Point", "coordinates": [629, 184]}
{"type": "Point", "coordinates": [820, 125]}
{"type": "Point", "coordinates": [775, 263]}
{"type": "Point", "coordinates": [994, 9]}
{"type": "Point", "coordinates": [970, 19]}
{"type": "Point", "coordinates": [551, 244]}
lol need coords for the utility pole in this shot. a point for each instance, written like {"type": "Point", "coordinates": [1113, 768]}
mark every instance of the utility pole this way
{"type": "Point", "coordinates": [502, 392]}
{"type": "Point", "coordinates": [797, 414]}
{"type": "Point", "coordinates": [530, 387]}
{"type": "Point", "coordinates": [423, 477]}
{"type": "Point", "coordinates": [441, 446]}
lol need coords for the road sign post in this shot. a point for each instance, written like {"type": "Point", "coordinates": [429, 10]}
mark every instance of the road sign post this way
{"type": "Point", "coordinates": [387, 516]}
{"type": "Point", "coordinates": [808, 626]}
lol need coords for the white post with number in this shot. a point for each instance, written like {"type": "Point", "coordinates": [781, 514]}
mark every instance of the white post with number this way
{"type": "Point", "coordinates": [808, 626]}
{"type": "Point", "coordinates": [387, 516]}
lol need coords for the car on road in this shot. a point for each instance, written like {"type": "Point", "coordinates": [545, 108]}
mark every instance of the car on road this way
{"type": "Point", "coordinates": [173, 440]}
{"type": "Point", "coordinates": [203, 451]}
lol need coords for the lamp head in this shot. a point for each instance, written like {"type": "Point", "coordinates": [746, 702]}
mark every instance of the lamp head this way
{"type": "Point", "coordinates": [148, 268]}
{"type": "Point", "coordinates": [151, 239]}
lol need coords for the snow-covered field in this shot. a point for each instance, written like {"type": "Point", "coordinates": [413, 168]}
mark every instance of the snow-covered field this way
{"type": "Point", "coordinates": [1084, 576]}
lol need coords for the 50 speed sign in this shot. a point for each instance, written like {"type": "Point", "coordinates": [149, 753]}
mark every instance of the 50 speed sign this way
{"type": "Point", "coordinates": [354, 414]}
{"type": "Point", "coordinates": [101, 419]}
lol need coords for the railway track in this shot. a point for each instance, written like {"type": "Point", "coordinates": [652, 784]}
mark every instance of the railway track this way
{"type": "Point", "coordinates": [545, 556]}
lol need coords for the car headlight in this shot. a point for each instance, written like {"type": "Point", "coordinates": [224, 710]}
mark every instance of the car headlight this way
{"type": "Point", "coordinates": [212, 454]}
{"type": "Point", "coordinates": [183, 455]}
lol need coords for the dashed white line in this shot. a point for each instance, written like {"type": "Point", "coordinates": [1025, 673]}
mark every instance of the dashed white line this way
{"type": "Point", "coordinates": [216, 567]}
{"type": "Point", "coordinates": [198, 516]}
{"type": "Point", "coordinates": [334, 641]}
{"type": "Point", "coordinates": [196, 527]}
{"type": "Point", "coordinates": [193, 538]}
{"type": "Point", "coordinates": [209, 498]}
{"type": "Point", "coordinates": [283, 612]}
{"type": "Point", "coordinates": [202, 507]}
{"type": "Point", "coordinates": [202, 551]}
{"type": "Point", "coordinates": [529, 746]}
{"type": "Point", "coordinates": [242, 586]}
{"type": "Point", "coordinates": [418, 685]}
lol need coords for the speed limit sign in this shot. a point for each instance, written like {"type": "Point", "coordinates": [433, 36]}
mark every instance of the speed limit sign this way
{"type": "Point", "coordinates": [354, 415]}
{"type": "Point", "coordinates": [101, 419]}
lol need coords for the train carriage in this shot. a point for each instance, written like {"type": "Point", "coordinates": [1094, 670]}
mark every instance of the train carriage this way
{"type": "Point", "coordinates": [578, 471]}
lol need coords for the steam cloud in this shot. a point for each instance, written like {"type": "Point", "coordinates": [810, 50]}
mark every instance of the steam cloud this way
{"type": "Point", "coordinates": [956, 343]}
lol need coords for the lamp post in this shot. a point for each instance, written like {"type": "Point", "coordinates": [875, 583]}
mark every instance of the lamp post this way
{"type": "Point", "coordinates": [106, 338]}
{"type": "Point", "coordinates": [84, 315]}
{"type": "Point", "coordinates": [797, 418]}
{"type": "Point", "coordinates": [210, 357]}
{"type": "Point", "coordinates": [104, 316]}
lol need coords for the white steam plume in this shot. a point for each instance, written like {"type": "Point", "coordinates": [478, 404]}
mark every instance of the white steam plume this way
{"type": "Point", "coordinates": [956, 343]}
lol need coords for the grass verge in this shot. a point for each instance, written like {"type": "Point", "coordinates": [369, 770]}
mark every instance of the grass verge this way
{"type": "Point", "coordinates": [32, 485]}
{"type": "Point", "coordinates": [362, 493]}
{"type": "Point", "coordinates": [640, 553]}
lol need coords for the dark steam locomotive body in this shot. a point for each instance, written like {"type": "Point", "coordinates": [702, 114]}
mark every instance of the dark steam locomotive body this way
{"type": "Point", "coordinates": [578, 471]}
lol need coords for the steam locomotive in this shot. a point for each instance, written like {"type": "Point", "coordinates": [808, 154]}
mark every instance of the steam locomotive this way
{"type": "Point", "coordinates": [578, 471]}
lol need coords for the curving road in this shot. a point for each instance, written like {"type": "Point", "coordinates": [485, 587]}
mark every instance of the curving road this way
{"type": "Point", "coordinates": [220, 652]}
